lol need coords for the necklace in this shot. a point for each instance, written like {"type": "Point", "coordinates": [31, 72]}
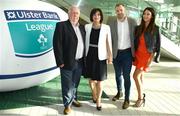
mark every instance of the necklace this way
{"type": "Point", "coordinates": [96, 26]}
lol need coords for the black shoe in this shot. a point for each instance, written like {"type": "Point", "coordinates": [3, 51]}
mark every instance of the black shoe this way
{"type": "Point", "coordinates": [76, 103]}
{"type": "Point", "coordinates": [117, 96]}
{"type": "Point", "coordinates": [125, 104]}
{"type": "Point", "coordinates": [99, 108]}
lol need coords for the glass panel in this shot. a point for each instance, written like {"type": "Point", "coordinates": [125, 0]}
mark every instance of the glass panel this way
{"type": "Point", "coordinates": [166, 19]}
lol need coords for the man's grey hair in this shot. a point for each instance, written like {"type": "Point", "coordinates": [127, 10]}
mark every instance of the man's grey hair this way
{"type": "Point", "coordinates": [73, 7]}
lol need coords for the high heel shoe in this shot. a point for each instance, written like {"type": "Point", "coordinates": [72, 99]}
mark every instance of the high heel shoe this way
{"type": "Point", "coordinates": [99, 108]}
{"type": "Point", "coordinates": [98, 105]}
{"type": "Point", "coordinates": [144, 100]}
{"type": "Point", "coordinates": [94, 101]}
{"type": "Point", "coordinates": [140, 102]}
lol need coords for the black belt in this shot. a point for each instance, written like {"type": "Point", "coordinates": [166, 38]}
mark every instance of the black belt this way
{"type": "Point", "coordinates": [124, 50]}
{"type": "Point", "coordinates": [79, 60]}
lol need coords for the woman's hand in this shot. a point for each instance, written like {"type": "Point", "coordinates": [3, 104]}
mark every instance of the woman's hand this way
{"type": "Point", "coordinates": [109, 61]}
{"type": "Point", "coordinates": [150, 60]}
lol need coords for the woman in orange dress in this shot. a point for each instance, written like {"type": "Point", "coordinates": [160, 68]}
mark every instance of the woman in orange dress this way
{"type": "Point", "coordinates": [147, 44]}
{"type": "Point", "coordinates": [142, 55]}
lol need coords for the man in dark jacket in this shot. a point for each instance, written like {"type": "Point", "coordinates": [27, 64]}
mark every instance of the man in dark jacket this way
{"type": "Point", "coordinates": [68, 43]}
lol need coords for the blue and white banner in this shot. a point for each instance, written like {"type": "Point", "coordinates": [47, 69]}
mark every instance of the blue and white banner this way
{"type": "Point", "coordinates": [31, 31]}
{"type": "Point", "coordinates": [26, 38]}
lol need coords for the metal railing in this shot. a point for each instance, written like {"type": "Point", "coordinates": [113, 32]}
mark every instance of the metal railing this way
{"type": "Point", "coordinates": [171, 30]}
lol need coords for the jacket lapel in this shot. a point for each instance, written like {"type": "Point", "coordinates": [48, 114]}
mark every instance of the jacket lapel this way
{"type": "Point", "coordinates": [71, 28]}
{"type": "Point", "coordinates": [115, 31]}
{"type": "Point", "coordinates": [88, 32]}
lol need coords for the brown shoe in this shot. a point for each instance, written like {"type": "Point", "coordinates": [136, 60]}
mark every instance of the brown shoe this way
{"type": "Point", "coordinates": [67, 110]}
{"type": "Point", "coordinates": [76, 103]}
{"type": "Point", "coordinates": [125, 104]}
{"type": "Point", "coordinates": [117, 96]}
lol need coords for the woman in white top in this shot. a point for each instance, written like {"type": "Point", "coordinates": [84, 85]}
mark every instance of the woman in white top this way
{"type": "Point", "coordinates": [98, 53]}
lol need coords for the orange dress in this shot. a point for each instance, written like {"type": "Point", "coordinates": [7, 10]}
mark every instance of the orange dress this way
{"type": "Point", "coordinates": [141, 55]}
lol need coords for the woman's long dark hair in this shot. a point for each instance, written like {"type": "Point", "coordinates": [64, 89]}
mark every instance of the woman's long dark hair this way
{"type": "Point", "coordinates": [93, 12]}
{"type": "Point", "coordinates": [151, 26]}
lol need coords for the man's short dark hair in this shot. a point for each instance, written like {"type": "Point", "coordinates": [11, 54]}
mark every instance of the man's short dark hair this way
{"type": "Point", "coordinates": [119, 4]}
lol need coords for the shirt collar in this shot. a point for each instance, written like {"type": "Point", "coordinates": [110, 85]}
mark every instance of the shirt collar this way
{"type": "Point", "coordinates": [75, 25]}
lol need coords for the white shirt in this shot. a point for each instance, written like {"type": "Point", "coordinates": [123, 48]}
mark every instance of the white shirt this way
{"type": "Point", "coordinates": [80, 45]}
{"type": "Point", "coordinates": [123, 34]}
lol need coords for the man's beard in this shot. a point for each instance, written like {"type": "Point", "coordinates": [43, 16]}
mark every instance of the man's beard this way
{"type": "Point", "coordinates": [120, 16]}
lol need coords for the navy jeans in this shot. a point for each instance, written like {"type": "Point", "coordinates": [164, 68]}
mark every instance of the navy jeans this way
{"type": "Point", "coordinates": [69, 83]}
{"type": "Point", "coordinates": [122, 66]}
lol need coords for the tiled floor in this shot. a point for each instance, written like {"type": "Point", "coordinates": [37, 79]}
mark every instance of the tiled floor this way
{"type": "Point", "coordinates": [161, 85]}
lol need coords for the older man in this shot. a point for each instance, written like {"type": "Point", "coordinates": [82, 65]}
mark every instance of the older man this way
{"type": "Point", "coordinates": [68, 43]}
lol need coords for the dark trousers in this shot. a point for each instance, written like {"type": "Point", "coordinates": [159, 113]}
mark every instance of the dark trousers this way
{"type": "Point", "coordinates": [69, 83]}
{"type": "Point", "coordinates": [122, 66]}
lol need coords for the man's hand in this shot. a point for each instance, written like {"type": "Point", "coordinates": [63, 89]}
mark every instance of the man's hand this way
{"type": "Point", "coordinates": [61, 66]}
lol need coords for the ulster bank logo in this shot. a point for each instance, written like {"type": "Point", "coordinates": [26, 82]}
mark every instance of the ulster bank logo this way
{"type": "Point", "coordinates": [30, 14]}
{"type": "Point", "coordinates": [31, 31]}
{"type": "Point", "coordinates": [11, 15]}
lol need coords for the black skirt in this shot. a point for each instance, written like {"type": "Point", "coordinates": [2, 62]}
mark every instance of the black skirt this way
{"type": "Point", "coordinates": [95, 69]}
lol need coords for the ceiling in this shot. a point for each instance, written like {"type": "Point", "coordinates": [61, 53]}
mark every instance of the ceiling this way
{"type": "Point", "coordinates": [133, 6]}
{"type": "Point", "coordinates": [108, 5]}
